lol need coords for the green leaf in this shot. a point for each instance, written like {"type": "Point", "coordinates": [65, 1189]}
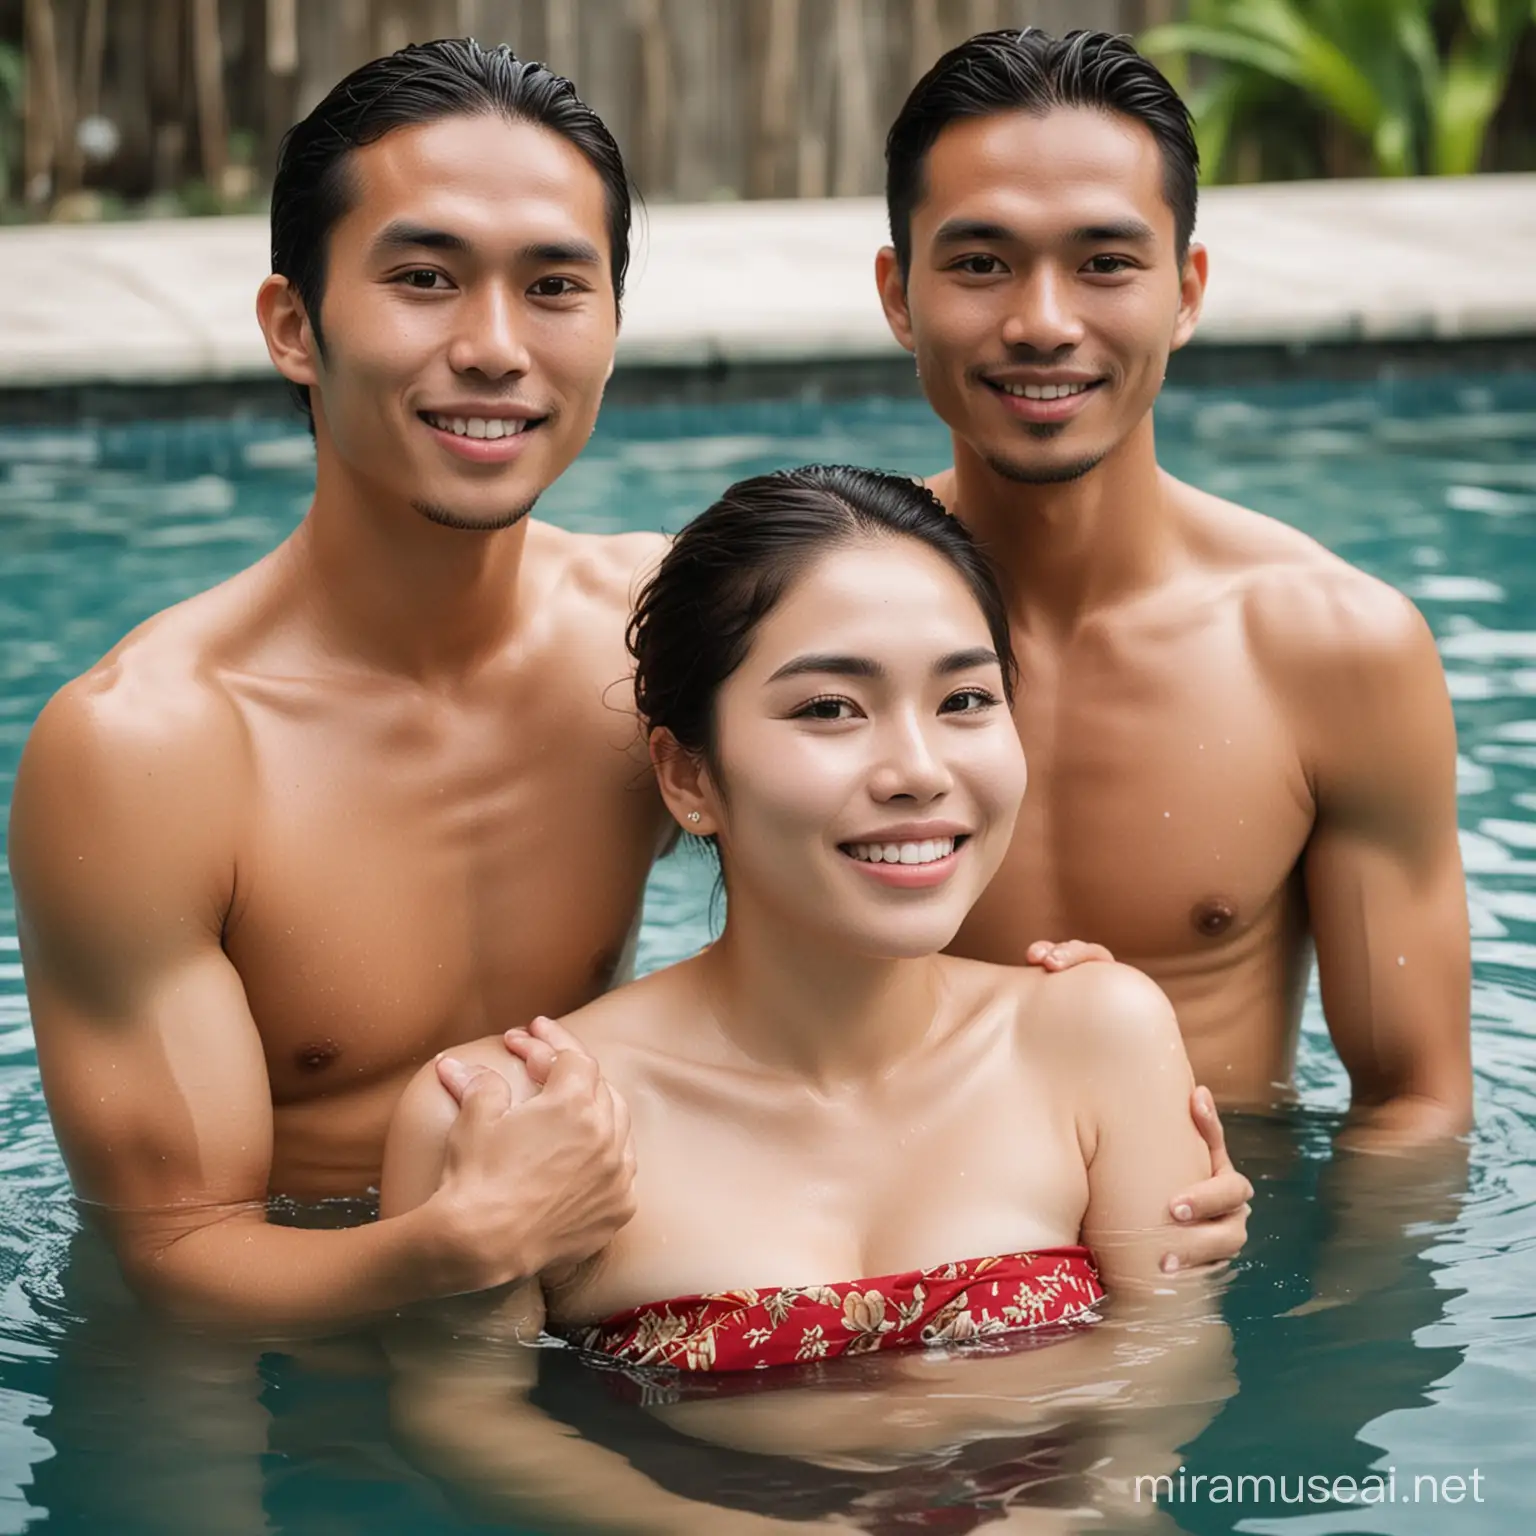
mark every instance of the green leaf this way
{"type": "Point", "coordinates": [1229, 47]}
{"type": "Point", "coordinates": [1215, 110]}
{"type": "Point", "coordinates": [1471, 88]}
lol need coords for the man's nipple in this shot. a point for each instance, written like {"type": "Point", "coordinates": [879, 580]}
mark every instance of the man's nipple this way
{"type": "Point", "coordinates": [316, 1056]}
{"type": "Point", "coordinates": [1213, 916]}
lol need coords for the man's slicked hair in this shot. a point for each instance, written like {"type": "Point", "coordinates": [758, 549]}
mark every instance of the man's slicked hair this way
{"type": "Point", "coordinates": [422, 84]}
{"type": "Point", "coordinates": [1031, 71]}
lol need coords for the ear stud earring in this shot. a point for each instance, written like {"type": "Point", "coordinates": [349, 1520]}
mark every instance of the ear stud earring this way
{"type": "Point", "coordinates": [693, 815]}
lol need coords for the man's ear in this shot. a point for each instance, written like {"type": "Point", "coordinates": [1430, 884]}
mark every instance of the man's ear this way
{"type": "Point", "coordinates": [893, 295]}
{"type": "Point", "coordinates": [684, 782]}
{"type": "Point", "coordinates": [290, 338]}
{"type": "Point", "coordinates": [1191, 295]}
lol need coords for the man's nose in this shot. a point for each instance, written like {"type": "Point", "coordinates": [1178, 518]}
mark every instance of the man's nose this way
{"type": "Point", "coordinates": [912, 767]}
{"type": "Point", "coordinates": [489, 340]}
{"type": "Point", "coordinates": [1042, 318]}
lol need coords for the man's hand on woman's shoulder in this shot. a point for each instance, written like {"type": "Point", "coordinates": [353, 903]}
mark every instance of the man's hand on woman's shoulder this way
{"type": "Point", "coordinates": [524, 1164]}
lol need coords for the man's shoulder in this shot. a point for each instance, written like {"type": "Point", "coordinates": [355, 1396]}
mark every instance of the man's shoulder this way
{"type": "Point", "coordinates": [152, 708]}
{"type": "Point", "coordinates": [1303, 606]}
{"type": "Point", "coordinates": [604, 569]}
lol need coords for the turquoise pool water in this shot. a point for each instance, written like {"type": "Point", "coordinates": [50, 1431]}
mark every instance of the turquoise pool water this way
{"type": "Point", "coordinates": [109, 1425]}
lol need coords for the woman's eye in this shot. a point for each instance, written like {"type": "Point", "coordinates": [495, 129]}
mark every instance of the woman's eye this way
{"type": "Point", "coordinates": [423, 278]}
{"type": "Point", "coordinates": [825, 709]}
{"type": "Point", "coordinates": [968, 701]}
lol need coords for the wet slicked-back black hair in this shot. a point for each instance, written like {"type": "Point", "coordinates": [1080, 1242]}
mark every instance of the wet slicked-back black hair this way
{"type": "Point", "coordinates": [422, 84]}
{"type": "Point", "coordinates": [1031, 71]}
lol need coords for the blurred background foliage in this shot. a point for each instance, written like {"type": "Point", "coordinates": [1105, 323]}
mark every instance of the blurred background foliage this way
{"type": "Point", "coordinates": [114, 107]}
{"type": "Point", "coordinates": [1389, 87]}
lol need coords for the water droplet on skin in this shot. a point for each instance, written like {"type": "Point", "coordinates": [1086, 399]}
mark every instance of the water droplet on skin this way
{"type": "Point", "coordinates": [1402, 960]}
{"type": "Point", "coordinates": [1167, 814]}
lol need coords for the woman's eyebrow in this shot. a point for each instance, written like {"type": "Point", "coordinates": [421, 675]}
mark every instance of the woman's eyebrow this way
{"type": "Point", "coordinates": [838, 666]}
{"type": "Point", "coordinates": [964, 661]}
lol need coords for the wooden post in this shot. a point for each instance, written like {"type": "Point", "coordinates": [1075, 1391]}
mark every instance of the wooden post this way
{"type": "Point", "coordinates": [927, 39]}
{"type": "Point", "coordinates": [93, 47]}
{"type": "Point", "coordinates": [280, 85]}
{"type": "Point", "coordinates": [855, 101]}
{"type": "Point", "coordinates": [653, 163]}
{"type": "Point", "coordinates": [560, 37]}
{"type": "Point", "coordinates": [981, 16]}
{"type": "Point", "coordinates": [208, 89]}
{"type": "Point", "coordinates": [42, 127]}
{"type": "Point", "coordinates": [817, 70]}
{"type": "Point", "coordinates": [774, 140]}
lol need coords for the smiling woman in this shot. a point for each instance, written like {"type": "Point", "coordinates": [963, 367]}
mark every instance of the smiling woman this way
{"type": "Point", "coordinates": [846, 1141]}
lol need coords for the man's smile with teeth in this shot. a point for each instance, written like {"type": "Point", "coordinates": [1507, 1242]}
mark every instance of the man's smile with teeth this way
{"type": "Point", "coordinates": [1043, 391]}
{"type": "Point", "coordinates": [480, 426]}
{"type": "Point", "coordinates": [928, 852]}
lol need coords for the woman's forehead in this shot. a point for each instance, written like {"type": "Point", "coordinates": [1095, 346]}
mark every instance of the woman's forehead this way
{"type": "Point", "coordinates": [891, 592]}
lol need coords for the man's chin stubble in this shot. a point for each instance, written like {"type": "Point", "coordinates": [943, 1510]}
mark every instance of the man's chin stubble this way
{"type": "Point", "coordinates": [1043, 474]}
{"type": "Point", "coordinates": [445, 517]}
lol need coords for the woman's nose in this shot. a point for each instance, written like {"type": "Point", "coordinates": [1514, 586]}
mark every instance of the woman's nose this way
{"type": "Point", "coordinates": [912, 767]}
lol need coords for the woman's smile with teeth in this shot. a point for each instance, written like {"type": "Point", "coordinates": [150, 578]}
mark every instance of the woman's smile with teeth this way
{"type": "Point", "coordinates": [901, 853]}
{"type": "Point", "coordinates": [478, 426]}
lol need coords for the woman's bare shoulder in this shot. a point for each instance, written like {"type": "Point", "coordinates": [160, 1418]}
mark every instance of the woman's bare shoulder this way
{"type": "Point", "coordinates": [640, 1020]}
{"type": "Point", "coordinates": [1102, 1005]}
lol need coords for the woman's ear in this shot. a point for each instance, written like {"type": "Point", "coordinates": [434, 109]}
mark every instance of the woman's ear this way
{"type": "Point", "coordinates": [684, 781]}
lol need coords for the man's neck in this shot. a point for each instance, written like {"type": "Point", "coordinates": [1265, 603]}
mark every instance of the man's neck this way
{"type": "Point", "coordinates": [1067, 549]}
{"type": "Point", "coordinates": [398, 593]}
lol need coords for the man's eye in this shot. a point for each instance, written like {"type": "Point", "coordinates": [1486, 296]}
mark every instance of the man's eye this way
{"type": "Point", "coordinates": [828, 708]}
{"type": "Point", "coordinates": [423, 278]}
{"type": "Point", "coordinates": [968, 701]}
{"type": "Point", "coordinates": [979, 266]}
{"type": "Point", "coordinates": [1108, 266]}
{"type": "Point", "coordinates": [555, 287]}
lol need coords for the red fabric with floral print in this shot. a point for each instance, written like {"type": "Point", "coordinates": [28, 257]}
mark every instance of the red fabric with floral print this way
{"type": "Point", "coordinates": [952, 1304]}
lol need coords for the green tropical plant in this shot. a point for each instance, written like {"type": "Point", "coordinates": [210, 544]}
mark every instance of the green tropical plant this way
{"type": "Point", "coordinates": [12, 74]}
{"type": "Point", "coordinates": [1377, 65]}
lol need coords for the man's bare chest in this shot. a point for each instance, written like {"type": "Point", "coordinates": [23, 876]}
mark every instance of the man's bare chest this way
{"type": "Point", "coordinates": [1166, 812]}
{"type": "Point", "coordinates": [394, 895]}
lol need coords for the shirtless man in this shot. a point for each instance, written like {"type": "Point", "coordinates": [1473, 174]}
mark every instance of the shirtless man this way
{"type": "Point", "coordinates": [293, 837]}
{"type": "Point", "coordinates": [373, 796]}
{"type": "Point", "coordinates": [1240, 748]}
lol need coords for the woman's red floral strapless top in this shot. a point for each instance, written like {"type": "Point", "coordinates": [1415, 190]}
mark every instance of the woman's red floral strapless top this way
{"type": "Point", "coordinates": [955, 1303]}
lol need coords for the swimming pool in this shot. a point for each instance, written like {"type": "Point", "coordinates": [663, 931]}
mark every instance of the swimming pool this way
{"type": "Point", "coordinates": [113, 1426]}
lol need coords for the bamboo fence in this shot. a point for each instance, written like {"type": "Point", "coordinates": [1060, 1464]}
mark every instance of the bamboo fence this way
{"type": "Point", "coordinates": [708, 98]}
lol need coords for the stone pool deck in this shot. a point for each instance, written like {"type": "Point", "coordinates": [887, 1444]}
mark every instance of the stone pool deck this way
{"type": "Point", "coordinates": [1292, 265]}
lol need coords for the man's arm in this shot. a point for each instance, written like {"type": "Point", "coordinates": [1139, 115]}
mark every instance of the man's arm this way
{"type": "Point", "coordinates": [123, 836]}
{"type": "Point", "coordinates": [1384, 883]}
